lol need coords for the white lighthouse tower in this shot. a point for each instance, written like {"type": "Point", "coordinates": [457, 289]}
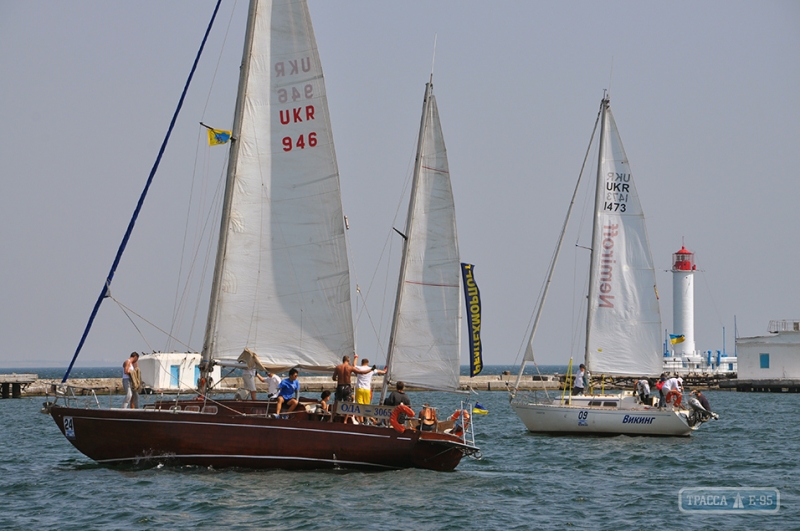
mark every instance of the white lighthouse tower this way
{"type": "Point", "coordinates": [683, 268]}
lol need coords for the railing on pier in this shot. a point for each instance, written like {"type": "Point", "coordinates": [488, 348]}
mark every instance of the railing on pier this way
{"type": "Point", "coordinates": [784, 325]}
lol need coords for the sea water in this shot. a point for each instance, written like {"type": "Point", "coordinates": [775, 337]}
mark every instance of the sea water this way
{"type": "Point", "coordinates": [523, 481]}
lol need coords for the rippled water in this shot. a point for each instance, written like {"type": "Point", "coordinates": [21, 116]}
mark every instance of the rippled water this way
{"type": "Point", "coordinates": [524, 481]}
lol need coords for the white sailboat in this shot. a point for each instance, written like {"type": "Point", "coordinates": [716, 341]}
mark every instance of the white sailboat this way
{"type": "Point", "coordinates": [424, 346]}
{"type": "Point", "coordinates": [281, 288]}
{"type": "Point", "coordinates": [623, 318]}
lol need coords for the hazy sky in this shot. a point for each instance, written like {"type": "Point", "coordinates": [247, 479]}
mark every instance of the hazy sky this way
{"type": "Point", "coordinates": [705, 95]}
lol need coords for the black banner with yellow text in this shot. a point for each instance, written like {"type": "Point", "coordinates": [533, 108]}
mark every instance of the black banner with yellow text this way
{"type": "Point", "coordinates": [472, 297]}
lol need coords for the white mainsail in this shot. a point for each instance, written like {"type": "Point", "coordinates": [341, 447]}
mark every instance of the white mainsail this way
{"type": "Point", "coordinates": [282, 285]}
{"type": "Point", "coordinates": [624, 321]}
{"type": "Point", "coordinates": [425, 344]}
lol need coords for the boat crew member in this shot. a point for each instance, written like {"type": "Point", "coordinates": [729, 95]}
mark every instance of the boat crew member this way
{"type": "Point", "coordinates": [250, 372]}
{"type": "Point", "coordinates": [364, 384]}
{"type": "Point", "coordinates": [324, 398]}
{"type": "Point", "coordinates": [580, 381]}
{"type": "Point", "coordinates": [427, 418]}
{"type": "Point", "coordinates": [288, 392]}
{"type": "Point", "coordinates": [703, 400]}
{"type": "Point", "coordinates": [273, 382]}
{"type": "Point", "coordinates": [398, 396]}
{"type": "Point", "coordinates": [661, 395]}
{"type": "Point", "coordinates": [130, 370]}
{"type": "Point", "coordinates": [643, 390]}
{"type": "Point", "coordinates": [341, 375]}
{"type": "Point", "coordinates": [673, 391]}
{"type": "Point", "coordinates": [249, 381]}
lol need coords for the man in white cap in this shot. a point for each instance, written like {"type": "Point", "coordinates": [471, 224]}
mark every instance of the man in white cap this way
{"type": "Point", "coordinates": [673, 386]}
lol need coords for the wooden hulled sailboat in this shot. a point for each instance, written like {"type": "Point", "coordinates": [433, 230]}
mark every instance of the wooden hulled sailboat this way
{"type": "Point", "coordinates": [281, 288]}
{"type": "Point", "coordinates": [623, 323]}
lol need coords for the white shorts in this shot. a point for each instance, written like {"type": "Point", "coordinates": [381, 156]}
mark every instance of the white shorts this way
{"type": "Point", "coordinates": [249, 379]}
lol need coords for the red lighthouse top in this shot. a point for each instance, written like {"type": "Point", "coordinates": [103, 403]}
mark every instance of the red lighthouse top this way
{"type": "Point", "coordinates": [683, 260]}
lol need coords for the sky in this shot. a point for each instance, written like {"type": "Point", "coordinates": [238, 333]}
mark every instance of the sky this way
{"type": "Point", "coordinates": [705, 95]}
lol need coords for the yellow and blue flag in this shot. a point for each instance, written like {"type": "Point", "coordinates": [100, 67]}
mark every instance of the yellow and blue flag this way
{"type": "Point", "coordinates": [479, 409]}
{"type": "Point", "coordinates": [218, 137]}
{"type": "Point", "coordinates": [677, 338]}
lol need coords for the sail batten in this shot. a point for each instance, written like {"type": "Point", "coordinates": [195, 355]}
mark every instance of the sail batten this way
{"type": "Point", "coordinates": [284, 280]}
{"type": "Point", "coordinates": [624, 319]}
{"type": "Point", "coordinates": [425, 344]}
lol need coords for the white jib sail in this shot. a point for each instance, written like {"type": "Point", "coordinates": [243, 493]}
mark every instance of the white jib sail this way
{"type": "Point", "coordinates": [426, 340]}
{"type": "Point", "coordinates": [624, 328]}
{"type": "Point", "coordinates": [285, 282]}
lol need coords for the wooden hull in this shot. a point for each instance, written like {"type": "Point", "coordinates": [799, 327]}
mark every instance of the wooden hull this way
{"type": "Point", "coordinates": [582, 419]}
{"type": "Point", "coordinates": [142, 437]}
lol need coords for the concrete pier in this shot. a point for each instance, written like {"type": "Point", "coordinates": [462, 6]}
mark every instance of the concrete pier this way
{"type": "Point", "coordinates": [785, 385]}
{"type": "Point", "coordinates": [105, 386]}
{"type": "Point", "coordinates": [13, 385]}
{"type": "Point", "coordinates": [29, 385]}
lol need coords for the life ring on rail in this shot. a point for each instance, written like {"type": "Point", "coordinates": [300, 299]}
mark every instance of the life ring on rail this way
{"type": "Point", "coordinates": [460, 425]}
{"type": "Point", "coordinates": [393, 420]}
{"type": "Point", "coordinates": [675, 395]}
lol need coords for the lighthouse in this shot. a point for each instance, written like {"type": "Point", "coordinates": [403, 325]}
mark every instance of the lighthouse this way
{"type": "Point", "coordinates": [683, 268]}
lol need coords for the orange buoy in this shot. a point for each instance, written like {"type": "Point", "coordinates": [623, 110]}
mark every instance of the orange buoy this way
{"type": "Point", "coordinates": [676, 396]}
{"type": "Point", "coordinates": [393, 420]}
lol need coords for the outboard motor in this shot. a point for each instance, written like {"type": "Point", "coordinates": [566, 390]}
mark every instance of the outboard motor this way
{"type": "Point", "coordinates": [699, 413]}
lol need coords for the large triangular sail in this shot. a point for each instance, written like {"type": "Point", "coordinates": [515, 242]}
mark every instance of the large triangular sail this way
{"type": "Point", "coordinates": [282, 284]}
{"type": "Point", "coordinates": [425, 344]}
{"type": "Point", "coordinates": [624, 321]}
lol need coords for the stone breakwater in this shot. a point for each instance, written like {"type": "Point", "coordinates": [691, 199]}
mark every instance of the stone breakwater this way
{"type": "Point", "coordinates": [113, 386]}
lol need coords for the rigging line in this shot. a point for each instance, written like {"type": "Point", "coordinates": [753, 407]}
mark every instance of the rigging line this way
{"type": "Point", "coordinates": [711, 295]}
{"type": "Point", "coordinates": [126, 310]}
{"type": "Point", "coordinates": [202, 229]}
{"type": "Point", "coordinates": [360, 295]}
{"type": "Point", "coordinates": [576, 319]}
{"type": "Point", "coordinates": [352, 265]}
{"type": "Point", "coordinates": [213, 214]}
{"type": "Point", "coordinates": [219, 58]}
{"type": "Point", "coordinates": [106, 285]}
{"type": "Point", "coordinates": [574, 333]}
{"type": "Point", "coordinates": [411, 166]}
{"type": "Point", "coordinates": [388, 243]}
{"type": "Point", "coordinates": [178, 301]}
{"type": "Point", "coordinates": [554, 257]}
{"type": "Point", "coordinates": [134, 324]}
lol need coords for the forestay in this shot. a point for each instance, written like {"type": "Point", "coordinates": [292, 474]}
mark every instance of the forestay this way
{"type": "Point", "coordinates": [425, 342]}
{"type": "Point", "coordinates": [283, 283]}
{"type": "Point", "coordinates": [624, 320]}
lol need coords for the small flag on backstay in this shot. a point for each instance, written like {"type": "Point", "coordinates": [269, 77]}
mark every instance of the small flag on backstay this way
{"type": "Point", "coordinates": [217, 137]}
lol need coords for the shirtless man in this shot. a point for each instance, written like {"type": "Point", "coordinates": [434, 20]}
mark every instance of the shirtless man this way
{"type": "Point", "coordinates": [341, 375]}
